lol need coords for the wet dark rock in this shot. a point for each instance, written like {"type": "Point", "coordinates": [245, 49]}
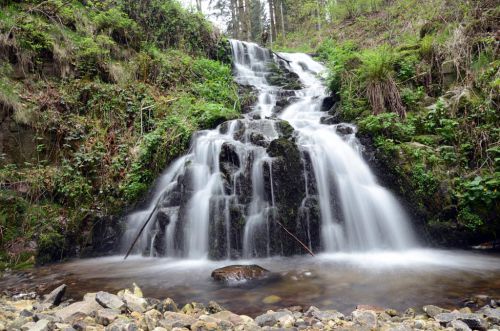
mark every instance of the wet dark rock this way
{"type": "Point", "coordinates": [258, 139]}
{"type": "Point", "coordinates": [239, 273]}
{"type": "Point", "coordinates": [284, 129]}
{"type": "Point", "coordinates": [344, 129]}
{"type": "Point", "coordinates": [328, 102]}
{"type": "Point", "coordinates": [54, 298]}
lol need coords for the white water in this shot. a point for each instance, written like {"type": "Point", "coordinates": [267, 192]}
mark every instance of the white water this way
{"type": "Point", "coordinates": [197, 195]}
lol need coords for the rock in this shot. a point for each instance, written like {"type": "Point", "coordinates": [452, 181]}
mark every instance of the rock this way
{"type": "Point", "coordinates": [344, 129]}
{"type": "Point", "coordinates": [28, 326]}
{"type": "Point", "coordinates": [51, 318]}
{"type": "Point", "coordinates": [25, 313]}
{"type": "Point", "coordinates": [432, 311]}
{"type": "Point", "coordinates": [108, 300]}
{"type": "Point", "coordinates": [170, 305]}
{"type": "Point", "coordinates": [77, 309]}
{"type": "Point", "coordinates": [213, 307]}
{"type": "Point", "coordinates": [474, 321]}
{"type": "Point", "coordinates": [392, 312]}
{"type": "Point", "coordinates": [152, 318]}
{"type": "Point", "coordinates": [492, 314]}
{"type": "Point", "coordinates": [122, 325]}
{"type": "Point", "coordinates": [271, 318]}
{"type": "Point", "coordinates": [229, 317]}
{"type": "Point", "coordinates": [137, 291]}
{"type": "Point", "coordinates": [419, 324]}
{"type": "Point", "coordinates": [271, 299]}
{"type": "Point", "coordinates": [364, 318]}
{"type": "Point", "coordinates": [481, 300]}
{"type": "Point", "coordinates": [64, 327]}
{"type": "Point", "coordinates": [459, 326]}
{"type": "Point", "coordinates": [106, 316]}
{"type": "Point", "coordinates": [172, 320]}
{"type": "Point", "coordinates": [42, 325]}
{"type": "Point", "coordinates": [324, 315]}
{"type": "Point", "coordinates": [239, 273]}
{"type": "Point", "coordinates": [445, 318]}
{"type": "Point", "coordinates": [54, 298]}
{"type": "Point", "coordinates": [133, 302]}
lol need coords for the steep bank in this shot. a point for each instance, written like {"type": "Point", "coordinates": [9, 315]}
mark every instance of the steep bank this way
{"type": "Point", "coordinates": [421, 80]}
{"type": "Point", "coordinates": [95, 100]}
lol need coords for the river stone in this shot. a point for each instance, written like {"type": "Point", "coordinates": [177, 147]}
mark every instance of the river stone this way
{"type": "Point", "coordinates": [133, 302]}
{"type": "Point", "coordinates": [54, 298]}
{"type": "Point", "coordinates": [106, 316]}
{"type": "Point", "coordinates": [122, 325]}
{"type": "Point", "coordinates": [445, 318]}
{"type": "Point", "coordinates": [41, 325]}
{"type": "Point", "coordinates": [170, 305]}
{"type": "Point", "coordinates": [228, 316]}
{"type": "Point", "coordinates": [270, 299]}
{"type": "Point", "coordinates": [474, 321]}
{"type": "Point", "coordinates": [324, 315]}
{"type": "Point", "coordinates": [108, 300]}
{"type": "Point", "coordinates": [271, 318]}
{"type": "Point", "coordinates": [459, 326]}
{"type": "Point", "coordinates": [366, 318]}
{"type": "Point", "coordinates": [80, 308]}
{"type": "Point", "coordinates": [152, 318]}
{"type": "Point", "coordinates": [492, 314]}
{"type": "Point", "coordinates": [213, 307]}
{"type": "Point", "coordinates": [432, 310]}
{"type": "Point", "coordinates": [239, 273]}
{"type": "Point", "coordinates": [172, 320]}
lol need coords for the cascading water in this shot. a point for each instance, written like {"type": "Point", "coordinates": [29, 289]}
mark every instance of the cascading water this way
{"type": "Point", "coordinates": [277, 165]}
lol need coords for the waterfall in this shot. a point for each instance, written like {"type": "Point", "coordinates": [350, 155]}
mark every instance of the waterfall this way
{"type": "Point", "coordinates": [278, 163]}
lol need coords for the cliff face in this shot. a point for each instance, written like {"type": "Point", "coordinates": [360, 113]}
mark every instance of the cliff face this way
{"type": "Point", "coordinates": [95, 99]}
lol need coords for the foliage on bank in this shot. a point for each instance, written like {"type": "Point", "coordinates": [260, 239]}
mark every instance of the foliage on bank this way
{"type": "Point", "coordinates": [423, 82]}
{"type": "Point", "coordinates": [96, 98]}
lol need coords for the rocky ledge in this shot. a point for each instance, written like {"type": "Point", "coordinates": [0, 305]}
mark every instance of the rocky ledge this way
{"type": "Point", "coordinates": [128, 310]}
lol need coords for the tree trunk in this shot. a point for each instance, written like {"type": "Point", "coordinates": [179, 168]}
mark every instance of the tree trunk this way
{"type": "Point", "coordinates": [279, 17]}
{"type": "Point", "coordinates": [234, 18]}
{"type": "Point", "coordinates": [248, 19]}
{"type": "Point", "coordinates": [282, 19]}
{"type": "Point", "coordinates": [242, 31]}
{"type": "Point", "coordinates": [271, 17]}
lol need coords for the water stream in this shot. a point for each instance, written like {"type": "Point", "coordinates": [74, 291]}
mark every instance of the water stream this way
{"type": "Point", "coordinates": [279, 162]}
{"type": "Point", "coordinates": [224, 198]}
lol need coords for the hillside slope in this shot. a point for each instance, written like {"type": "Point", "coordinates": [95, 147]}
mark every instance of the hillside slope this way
{"type": "Point", "coordinates": [96, 97]}
{"type": "Point", "coordinates": [422, 81]}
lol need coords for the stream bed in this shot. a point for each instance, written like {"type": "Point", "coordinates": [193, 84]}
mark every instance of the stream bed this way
{"type": "Point", "coordinates": [339, 281]}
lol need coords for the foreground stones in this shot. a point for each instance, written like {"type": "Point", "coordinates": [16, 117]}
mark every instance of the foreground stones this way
{"type": "Point", "coordinates": [128, 310]}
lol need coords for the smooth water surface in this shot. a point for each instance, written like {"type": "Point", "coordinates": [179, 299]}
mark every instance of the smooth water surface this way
{"type": "Point", "coordinates": [340, 281]}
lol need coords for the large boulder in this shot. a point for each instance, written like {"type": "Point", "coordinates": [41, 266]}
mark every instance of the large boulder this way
{"type": "Point", "coordinates": [239, 273]}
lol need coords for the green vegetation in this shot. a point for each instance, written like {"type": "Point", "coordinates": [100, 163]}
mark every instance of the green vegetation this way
{"type": "Point", "coordinates": [105, 94]}
{"type": "Point", "coordinates": [427, 95]}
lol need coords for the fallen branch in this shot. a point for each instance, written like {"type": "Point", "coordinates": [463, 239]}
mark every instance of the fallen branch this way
{"type": "Point", "coordinates": [281, 57]}
{"type": "Point", "coordinates": [140, 231]}
{"type": "Point", "coordinates": [297, 239]}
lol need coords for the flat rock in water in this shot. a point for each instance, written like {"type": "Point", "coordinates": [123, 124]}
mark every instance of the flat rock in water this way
{"type": "Point", "coordinates": [239, 273]}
